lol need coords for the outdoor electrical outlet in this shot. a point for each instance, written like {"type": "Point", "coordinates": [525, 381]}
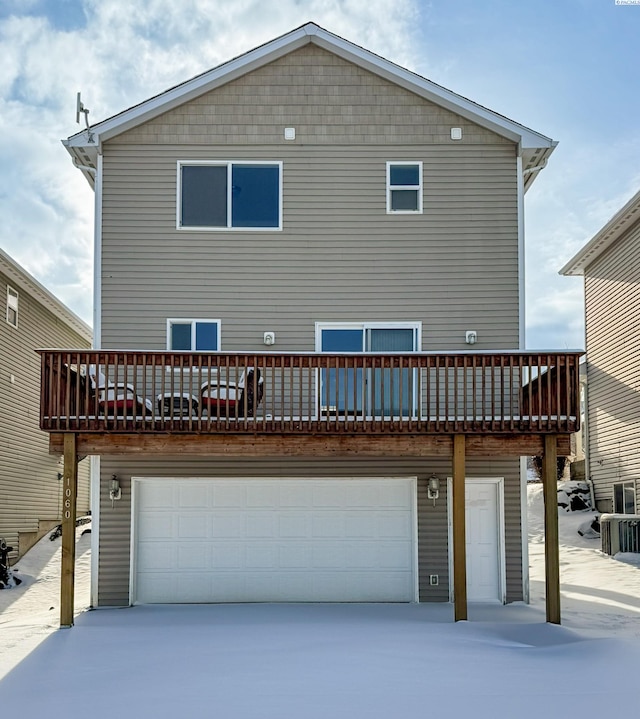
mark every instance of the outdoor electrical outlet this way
{"type": "Point", "coordinates": [433, 580]}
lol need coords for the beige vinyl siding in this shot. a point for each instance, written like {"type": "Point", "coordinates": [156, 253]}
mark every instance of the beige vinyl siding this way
{"type": "Point", "coordinates": [115, 522]}
{"type": "Point", "coordinates": [453, 268]}
{"type": "Point", "coordinates": [326, 98]}
{"type": "Point", "coordinates": [30, 492]}
{"type": "Point", "coordinates": [612, 300]}
{"type": "Point", "coordinates": [339, 257]}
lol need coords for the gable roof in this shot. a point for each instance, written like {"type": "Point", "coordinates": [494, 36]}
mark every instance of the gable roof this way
{"type": "Point", "coordinates": [21, 280]}
{"type": "Point", "coordinates": [605, 238]}
{"type": "Point", "coordinates": [84, 146]}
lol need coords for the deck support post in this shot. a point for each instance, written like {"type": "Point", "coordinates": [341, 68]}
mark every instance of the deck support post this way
{"type": "Point", "coordinates": [69, 496]}
{"type": "Point", "coordinates": [551, 548]}
{"type": "Point", "coordinates": [459, 530]}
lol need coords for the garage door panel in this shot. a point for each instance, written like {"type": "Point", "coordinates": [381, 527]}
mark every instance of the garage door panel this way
{"type": "Point", "coordinates": [248, 540]}
{"type": "Point", "coordinates": [294, 556]}
{"type": "Point", "coordinates": [229, 495]}
{"type": "Point", "coordinates": [193, 494]}
{"type": "Point", "coordinates": [194, 555]}
{"type": "Point", "coordinates": [154, 525]}
{"type": "Point", "coordinates": [293, 525]}
{"type": "Point", "coordinates": [193, 526]}
{"type": "Point", "coordinates": [157, 555]}
{"type": "Point", "coordinates": [261, 525]}
{"type": "Point", "coordinates": [393, 524]}
{"type": "Point", "coordinates": [227, 525]}
{"type": "Point", "coordinates": [227, 555]}
{"type": "Point", "coordinates": [327, 524]}
{"type": "Point", "coordinates": [154, 496]}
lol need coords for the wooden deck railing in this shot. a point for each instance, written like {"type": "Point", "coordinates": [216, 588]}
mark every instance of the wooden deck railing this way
{"type": "Point", "coordinates": [305, 393]}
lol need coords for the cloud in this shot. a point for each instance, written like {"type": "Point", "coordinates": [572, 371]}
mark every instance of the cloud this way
{"type": "Point", "coordinates": [119, 53]}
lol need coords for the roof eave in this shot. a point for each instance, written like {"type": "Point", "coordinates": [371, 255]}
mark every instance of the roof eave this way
{"type": "Point", "coordinates": [27, 283]}
{"type": "Point", "coordinates": [605, 238]}
{"type": "Point", "coordinates": [526, 138]}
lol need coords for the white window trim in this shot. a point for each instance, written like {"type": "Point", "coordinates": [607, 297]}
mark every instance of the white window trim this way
{"type": "Point", "coordinates": [12, 303]}
{"type": "Point", "coordinates": [193, 321]}
{"type": "Point", "coordinates": [622, 482]}
{"type": "Point", "coordinates": [229, 164]}
{"type": "Point", "coordinates": [364, 326]}
{"type": "Point", "coordinates": [418, 187]}
{"type": "Point", "coordinates": [415, 326]}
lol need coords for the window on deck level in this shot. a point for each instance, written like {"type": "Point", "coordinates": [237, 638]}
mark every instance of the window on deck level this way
{"type": "Point", "coordinates": [185, 335]}
{"type": "Point", "coordinates": [373, 392]}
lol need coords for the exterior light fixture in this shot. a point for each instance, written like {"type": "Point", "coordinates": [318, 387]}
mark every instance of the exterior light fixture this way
{"type": "Point", "coordinates": [471, 337]}
{"type": "Point", "coordinates": [115, 491]}
{"type": "Point", "coordinates": [433, 488]}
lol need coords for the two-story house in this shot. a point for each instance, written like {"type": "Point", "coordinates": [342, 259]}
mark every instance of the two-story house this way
{"type": "Point", "coordinates": [30, 477]}
{"type": "Point", "coordinates": [610, 265]}
{"type": "Point", "coordinates": [309, 315]}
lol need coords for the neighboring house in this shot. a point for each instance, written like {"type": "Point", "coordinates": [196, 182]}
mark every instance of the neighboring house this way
{"type": "Point", "coordinates": [610, 264]}
{"type": "Point", "coordinates": [30, 477]}
{"type": "Point", "coordinates": [311, 223]}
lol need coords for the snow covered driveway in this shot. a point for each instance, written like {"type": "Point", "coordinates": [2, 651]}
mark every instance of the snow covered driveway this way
{"type": "Point", "coordinates": [319, 661]}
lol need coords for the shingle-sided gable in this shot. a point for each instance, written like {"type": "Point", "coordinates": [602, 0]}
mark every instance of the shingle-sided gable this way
{"type": "Point", "coordinates": [327, 99]}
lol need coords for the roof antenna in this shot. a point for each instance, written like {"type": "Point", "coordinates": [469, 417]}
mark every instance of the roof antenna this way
{"type": "Point", "coordinates": [80, 108]}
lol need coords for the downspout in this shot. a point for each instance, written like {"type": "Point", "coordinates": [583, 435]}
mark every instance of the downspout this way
{"type": "Point", "coordinates": [86, 168]}
{"type": "Point", "coordinates": [524, 507]}
{"type": "Point", "coordinates": [97, 344]}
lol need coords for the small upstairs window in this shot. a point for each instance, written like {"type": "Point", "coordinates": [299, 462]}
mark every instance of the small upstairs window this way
{"type": "Point", "coordinates": [12, 306]}
{"type": "Point", "coordinates": [404, 187]}
{"type": "Point", "coordinates": [230, 195]}
{"type": "Point", "coordinates": [185, 335]}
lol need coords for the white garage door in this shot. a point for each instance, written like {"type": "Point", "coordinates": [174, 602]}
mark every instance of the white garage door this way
{"type": "Point", "coordinates": [271, 540]}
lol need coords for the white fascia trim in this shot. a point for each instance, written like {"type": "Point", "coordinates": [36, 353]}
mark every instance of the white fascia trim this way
{"type": "Point", "coordinates": [22, 281]}
{"type": "Point", "coordinates": [343, 48]}
{"type": "Point", "coordinates": [193, 88]}
{"type": "Point", "coordinates": [611, 232]}
{"type": "Point", "coordinates": [521, 250]}
{"type": "Point", "coordinates": [431, 91]}
{"type": "Point", "coordinates": [97, 259]}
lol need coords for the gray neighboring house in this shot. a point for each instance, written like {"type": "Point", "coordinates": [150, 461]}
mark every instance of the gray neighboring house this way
{"type": "Point", "coordinates": [30, 477]}
{"type": "Point", "coordinates": [356, 232]}
{"type": "Point", "coordinates": [610, 265]}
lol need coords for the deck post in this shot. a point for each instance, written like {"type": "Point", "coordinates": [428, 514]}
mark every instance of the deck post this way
{"type": "Point", "coordinates": [69, 490]}
{"type": "Point", "coordinates": [551, 548]}
{"type": "Point", "coordinates": [459, 530]}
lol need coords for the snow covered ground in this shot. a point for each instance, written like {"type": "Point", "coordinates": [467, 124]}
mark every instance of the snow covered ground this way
{"type": "Point", "coordinates": [308, 661]}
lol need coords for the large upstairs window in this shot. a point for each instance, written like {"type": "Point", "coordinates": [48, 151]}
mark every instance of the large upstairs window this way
{"type": "Point", "coordinates": [230, 195]}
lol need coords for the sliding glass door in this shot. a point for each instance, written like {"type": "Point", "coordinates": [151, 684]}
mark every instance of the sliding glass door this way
{"type": "Point", "coordinates": [381, 392]}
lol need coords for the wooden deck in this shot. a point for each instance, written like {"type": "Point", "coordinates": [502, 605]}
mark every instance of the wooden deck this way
{"type": "Point", "coordinates": [315, 405]}
{"type": "Point", "coordinates": [514, 393]}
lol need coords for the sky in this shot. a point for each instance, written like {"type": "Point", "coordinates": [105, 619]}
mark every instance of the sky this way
{"type": "Point", "coordinates": [333, 660]}
{"type": "Point", "coordinates": [568, 70]}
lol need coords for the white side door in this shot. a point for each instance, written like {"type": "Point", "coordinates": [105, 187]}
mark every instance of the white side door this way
{"type": "Point", "coordinates": [484, 518]}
